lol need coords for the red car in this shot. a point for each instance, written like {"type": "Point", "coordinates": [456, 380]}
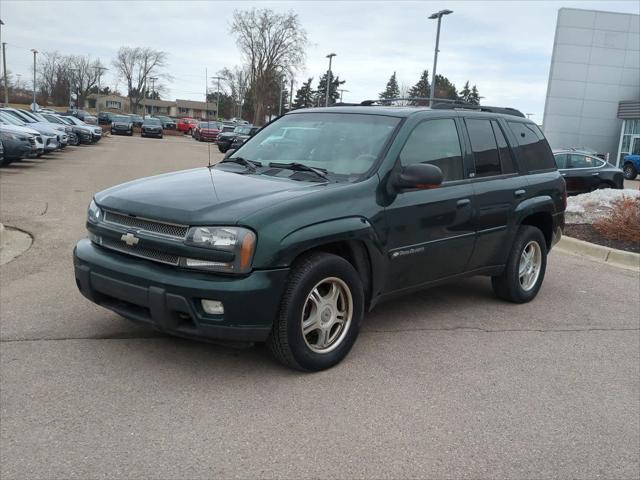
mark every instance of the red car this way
{"type": "Point", "coordinates": [186, 125]}
{"type": "Point", "coordinates": [207, 131]}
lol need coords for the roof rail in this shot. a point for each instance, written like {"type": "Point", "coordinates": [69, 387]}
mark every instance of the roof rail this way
{"type": "Point", "coordinates": [447, 104]}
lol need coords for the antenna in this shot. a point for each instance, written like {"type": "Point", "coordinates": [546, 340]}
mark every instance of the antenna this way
{"type": "Point", "coordinates": [206, 106]}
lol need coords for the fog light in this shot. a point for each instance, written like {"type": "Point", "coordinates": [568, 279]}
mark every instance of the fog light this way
{"type": "Point", "coordinates": [95, 238]}
{"type": "Point", "coordinates": [212, 307]}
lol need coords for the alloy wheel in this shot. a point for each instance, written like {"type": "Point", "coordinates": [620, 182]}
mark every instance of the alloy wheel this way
{"type": "Point", "coordinates": [530, 265]}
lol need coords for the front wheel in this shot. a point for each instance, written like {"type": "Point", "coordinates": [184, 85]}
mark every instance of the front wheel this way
{"type": "Point", "coordinates": [320, 313]}
{"type": "Point", "coordinates": [525, 269]}
{"type": "Point", "coordinates": [629, 171]}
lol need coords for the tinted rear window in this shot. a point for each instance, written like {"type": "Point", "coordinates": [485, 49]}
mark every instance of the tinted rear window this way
{"type": "Point", "coordinates": [485, 150]}
{"type": "Point", "coordinates": [534, 151]}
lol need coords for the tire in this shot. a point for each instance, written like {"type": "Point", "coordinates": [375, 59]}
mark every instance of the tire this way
{"type": "Point", "coordinates": [509, 286]}
{"type": "Point", "coordinates": [189, 132]}
{"type": "Point", "coordinates": [603, 185]}
{"type": "Point", "coordinates": [629, 171]}
{"type": "Point", "coordinates": [160, 136]}
{"type": "Point", "coordinates": [222, 150]}
{"type": "Point", "coordinates": [327, 344]}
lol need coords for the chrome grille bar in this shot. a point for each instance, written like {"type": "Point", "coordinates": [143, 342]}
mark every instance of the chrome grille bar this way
{"type": "Point", "coordinates": [150, 226]}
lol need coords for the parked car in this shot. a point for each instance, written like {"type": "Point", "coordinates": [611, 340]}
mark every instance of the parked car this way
{"type": "Point", "coordinates": [65, 131]}
{"type": "Point", "coordinates": [584, 172]}
{"type": "Point", "coordinates": [50, 136]}
{"type": "Point", "coordinates": [78, 113]}
{"type": "Point", "coordinates": [121, 124]}
{"type": "Point", "coordinates": [15, 145]}
{"type": "Point", "coordinates": [136, 119]}
{"type": "Point", "coordinates": [186, 125]}
{"type": "Point", "coordinates": [227, 127]}
{"type": "Point", "coordinates": [240, 139]}
{"type": "Point", "coordinates": [291, 243]}
{"type": "Point", "coordinates": [167, 122]}
{"type": "Point", "coordinates": [631, 165]}
{"type": "Point", "coordinates": [206, 131]}
{"type": "Point", "coordinates": [105, 118]}
{"type": "Point", "coordinates": [226, 139]}
{"type": "Point", "coordinates": [74, 138]}
{"type": "Point", "coordinates": [86, 134]}
{"type": "Point", "coordinates": [151, 127]}
{"type": "Point", "coordinates": [13, 125]}
{"type": "Point", "coordinates": [90, 120]}
{"type": "Point", "coordinates": [96, 132]}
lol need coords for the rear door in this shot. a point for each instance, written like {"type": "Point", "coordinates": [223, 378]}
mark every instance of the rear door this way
{"type": "Point", "coordinates": [498, 189]}
{"type": "Point", "coordinates": [581, 172]}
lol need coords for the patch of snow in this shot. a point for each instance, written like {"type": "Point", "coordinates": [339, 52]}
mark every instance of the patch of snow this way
{"type": "Point", "coordinates": [588, 207]}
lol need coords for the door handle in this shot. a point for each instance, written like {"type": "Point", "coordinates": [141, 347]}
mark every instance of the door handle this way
{"type": "Point", "coordinates": [595, 174]}
{"type": "Point", "coordinates": [520, 193]}
{"type": "Point", "coordinates": [463, 203]}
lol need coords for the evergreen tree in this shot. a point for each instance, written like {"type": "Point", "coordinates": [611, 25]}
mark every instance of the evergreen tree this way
{"type": "Point", "coordinates": [445, 89]}
{"type": "Point", "coordinates": [304, 95]}
{"type": "Point", "coordinates": [465, 93]}
{"type": "Point", "coordinates": [474, 96]}
{"type": "Point", "coordinates": [422, 89]}
{"type": "Point", "coordinates": [321, 92]}
{"type": "Point", "coordinates": [392, 90]}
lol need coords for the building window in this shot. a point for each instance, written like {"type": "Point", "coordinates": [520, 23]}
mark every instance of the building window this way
{"type": "Point", "coordinates": [183, 110]}
{"type": "Point", "coordinates": [630, 130]}
{"type": "Point", "coordinates": [113, 104]}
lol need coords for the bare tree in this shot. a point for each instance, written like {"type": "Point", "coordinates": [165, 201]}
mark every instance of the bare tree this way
{"type": "Point", "coordinates": [85, 75]}
{"type": "Point", "coordinates": [135, 66]}
{"type": "Point", "coordinates": [270, 43]}
{"type": "Point", "coordinates": [237, 81]}
{"type": "Point", "coordinates": [404, 93]}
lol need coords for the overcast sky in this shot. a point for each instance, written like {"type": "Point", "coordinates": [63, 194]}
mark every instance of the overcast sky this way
{"type": "Point", "coordinates": [502, 47]}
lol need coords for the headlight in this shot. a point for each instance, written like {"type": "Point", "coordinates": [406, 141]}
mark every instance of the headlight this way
{"type": "Point", "coordinates": [93, 213]}
{"type": "Point", "coordinates": [239, 241]}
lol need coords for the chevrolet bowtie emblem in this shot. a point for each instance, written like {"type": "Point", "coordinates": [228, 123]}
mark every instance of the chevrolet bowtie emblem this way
{"type": "Point", "coordinates": [130, 239]}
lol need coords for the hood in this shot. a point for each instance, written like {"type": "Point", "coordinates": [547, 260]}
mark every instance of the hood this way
{"type": "Point", "coordinates": [121, 124]}
{"type": "Point", "coordinates": [19, 130]}
{"type": "Point", "coordinates": [44, 128]}
{"type": "Point", "coordinates": [201, 196]}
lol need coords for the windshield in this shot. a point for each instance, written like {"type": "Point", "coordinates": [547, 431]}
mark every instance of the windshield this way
{"type": "Point", "coordinates": [8, 118]}
{"type": "Point", "coordinates": [342, 144]}
{"type": "Point", "coordinates": [152, 121]}
{"type": "Point", "coordinates": [242, 130]}
{"type": "Point", "coordinates": [209, 125]}
{"type": "Point", "coordinates": [21, 116]}
{"type": "Point", "coordinates": [52, 118]}
{"type": "Point", "coordinates": [120, 118]}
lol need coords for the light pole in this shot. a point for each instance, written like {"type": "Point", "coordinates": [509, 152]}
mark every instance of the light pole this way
{"type": "Point", "coordinates": [326, 98]}
{"type": "Point", "coordinates": [153, 89]}
{"type": "Point", "coordinates": [71, 72]}
{"type": "Point", "coordinates": [4, 68]}
{"type": "Point", "coordinates": [35, 52]}
{"type": "Point", "coordinates": [217, 96]}
{"type": "Point", "coordinates": [342, 90]}
{"type": "Point", "coordinates": [438, 16]}
{"type": "Point", "coordinates": [100, 70]}
{"type": "Point", "coordinates": [280, 98]}
{"type": "Point", "coordinates": [529, 115]}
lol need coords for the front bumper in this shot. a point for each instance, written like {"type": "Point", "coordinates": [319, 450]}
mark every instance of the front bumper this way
{"type": "Point", "coordinates": [151, 133]}
{"type": "Point", "coordinates": [168, 298]}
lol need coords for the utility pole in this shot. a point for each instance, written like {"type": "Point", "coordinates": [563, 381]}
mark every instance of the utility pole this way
{"type": "Point", "coordinates": [342, 90]}
{"type": "Point", "coordinates": [218, 96]}
{"type": "Point", "coordinates": [153, 89]}
{"type": "Point", "coordinates": [291, 95]}
{"type": "Point", "coordinates": [35, 52]}
{"type": "Point", "coordinates": [437, 15]}
{"type": "Point", "coordinates": [326, 98]}
{"type": "Point", "coordinates": [100, 70]}
{"type": "Point", "coordinates": [72, 71]}
{"type": "Point", "coordinates": [4, 68]}
{"type": "Point", "coordinates": [280, 97]}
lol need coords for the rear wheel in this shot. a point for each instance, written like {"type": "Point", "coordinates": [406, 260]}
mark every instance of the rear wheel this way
{"type": "Point", "coordinates": [320, 313]}
{"type": "Point", "coordinates": [629, 171]}
{"type": "Point", "coordinates": [525, 269]}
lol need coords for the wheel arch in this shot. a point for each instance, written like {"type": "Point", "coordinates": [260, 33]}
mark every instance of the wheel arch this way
{"type": "Point", "coordinates": [538, 212]}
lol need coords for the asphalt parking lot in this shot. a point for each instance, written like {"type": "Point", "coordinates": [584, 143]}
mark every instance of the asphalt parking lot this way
{"type": "Point", "coordinates": [447, 383]}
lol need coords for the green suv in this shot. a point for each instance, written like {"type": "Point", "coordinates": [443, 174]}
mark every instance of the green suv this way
{"type": "Point", "coordinates": [320, 216]}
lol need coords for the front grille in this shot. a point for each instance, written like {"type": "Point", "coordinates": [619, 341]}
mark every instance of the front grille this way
{"type": "Point", "coordinates": [146, 253]}
{"type": "Point", "coordinates": [151, 226]}
{"type": "Point", "coordinates": [32, 141]}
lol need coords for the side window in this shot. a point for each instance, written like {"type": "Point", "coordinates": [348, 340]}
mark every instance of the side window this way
{"type": "Point", "coordinates": [532, 146]}
{"type": "Point", "coordinates": [506, 159]}
{"type": "Point", "coordinates": [485, 150]}
{"type": "Point", "coordinates": [561, 160]}
{"type": "Point", "coordinates": [436, 142]}
{"type": "Point", "coordinates": [583, 161]}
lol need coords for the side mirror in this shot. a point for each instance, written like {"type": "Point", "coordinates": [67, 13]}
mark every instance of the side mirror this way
{"type": "Point", "coordinates": [418, 176]}
{"type": "Point", "coordinates": [229, 153]}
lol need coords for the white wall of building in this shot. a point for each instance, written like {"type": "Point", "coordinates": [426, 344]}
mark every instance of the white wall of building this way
{"type": "Point", "coordinates": [595, 64]}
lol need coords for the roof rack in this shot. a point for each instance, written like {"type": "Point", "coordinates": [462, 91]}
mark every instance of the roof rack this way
{"type": "Point", "coordinates": [446, 104]}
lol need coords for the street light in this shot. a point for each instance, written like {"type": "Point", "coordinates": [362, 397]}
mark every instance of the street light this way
{"type": "Point", "coordinates": [153, 89]}
{"type": "Point", "coordinates": [433, 16]}
{"type": "Point", "coordinates": [35, 52]}
{"type": "Point", "coordinates": [217, 96]}
{"type": "Point", "coordinates": [326, 98]}
{"type": "Point", "coordinates": [342, 90]}
{"type": "Point", "coordinates": [100, 70]}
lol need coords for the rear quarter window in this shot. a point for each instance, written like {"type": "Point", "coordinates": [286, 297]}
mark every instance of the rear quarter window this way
{"type": "Point", "coordinates": [533, 149]}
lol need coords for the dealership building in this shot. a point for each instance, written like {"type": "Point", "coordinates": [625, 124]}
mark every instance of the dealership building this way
{"type": "Point", "coordinates": [593, 94]}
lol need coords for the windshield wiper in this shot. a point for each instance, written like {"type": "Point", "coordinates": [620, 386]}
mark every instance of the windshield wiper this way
{"type": "Point", "coordinates": [250, 164]}
{"type": "Point", "coordinates": [301, 167]}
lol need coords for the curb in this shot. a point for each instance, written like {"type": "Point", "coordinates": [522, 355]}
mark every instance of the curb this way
{"type": "Point", "coordinates": [599, 253]}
